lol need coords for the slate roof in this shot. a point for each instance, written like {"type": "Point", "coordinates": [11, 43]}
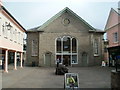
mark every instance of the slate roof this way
{"type": "Point", "coordinates": [33, 29]}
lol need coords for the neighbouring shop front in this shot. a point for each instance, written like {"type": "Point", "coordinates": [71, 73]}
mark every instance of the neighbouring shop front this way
{"type": "Point", "coordinates": [113, 53]}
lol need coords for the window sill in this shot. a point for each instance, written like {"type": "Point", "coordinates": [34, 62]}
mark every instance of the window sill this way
{"type": "Point", "coordinates": [71, 63]}
{"type": "Point", "coordinates": [11, 40]}
{"type": "Point", "coordinates": [96, 55]}
{"type": "Point", "coordinates": [34, 55]}
{"type": "Point", "coordinates": [6, 37]}
{"type": "Point", "coordinates": [115, 42]}
{"type": "Point", "coordinates": [74, 63]}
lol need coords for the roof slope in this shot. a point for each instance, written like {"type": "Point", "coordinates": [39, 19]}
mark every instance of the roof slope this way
{"type": "Point", "coordinates": [66, 9]}
{"type": "Point", "coordinates": [113, 18]}
{"type": "Point", "coordinates": [3, 8]}
{"type": "Point", "coordinates": [117, 10]}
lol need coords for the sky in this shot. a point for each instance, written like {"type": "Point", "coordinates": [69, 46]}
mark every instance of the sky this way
{"type": "Point", "coordinates": [33, 13]}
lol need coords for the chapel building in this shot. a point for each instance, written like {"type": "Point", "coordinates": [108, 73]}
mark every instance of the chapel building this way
{"type": "Point", "coordinates": [66, 37]}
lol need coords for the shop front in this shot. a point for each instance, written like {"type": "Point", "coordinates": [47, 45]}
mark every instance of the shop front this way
{"type": "Point", "coordinates": [113, 53]}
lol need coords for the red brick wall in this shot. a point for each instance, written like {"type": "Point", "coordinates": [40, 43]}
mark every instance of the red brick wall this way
{"type": "Point", "coordinates": [119, 33]}
{"type": "Point", "coordinates": [111, 38]}
{"type": "Point", "coordinates": [112, 19]}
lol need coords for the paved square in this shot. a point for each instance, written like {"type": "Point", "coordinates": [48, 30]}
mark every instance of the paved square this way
{"type": "Point", "coordinates": [44, 77]}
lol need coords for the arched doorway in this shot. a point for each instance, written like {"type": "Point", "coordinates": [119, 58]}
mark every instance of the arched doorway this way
{"type": "Point", "coordinates": [47, 59]}
{"type": "Point", "coordinates": [66, 50]}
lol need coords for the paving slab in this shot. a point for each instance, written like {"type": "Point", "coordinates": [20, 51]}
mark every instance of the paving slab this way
{"type": "Point", "coordinates": [44, 77]}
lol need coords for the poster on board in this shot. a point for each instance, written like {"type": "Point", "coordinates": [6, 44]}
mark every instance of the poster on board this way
{"type": "Point", "coordinates": [71, 80]}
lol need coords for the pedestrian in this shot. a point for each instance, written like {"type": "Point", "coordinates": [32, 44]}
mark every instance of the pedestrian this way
{"type": "Point", "coordinates": [18, 61]}
{"type": "Point", "coordinates": [23, 62]}
{"type": "Point", "coordinates": [58, 60]}
{"type": "Point", "coordinates": [3, 64]}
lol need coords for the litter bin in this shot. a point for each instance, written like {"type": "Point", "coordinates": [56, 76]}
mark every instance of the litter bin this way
{"type": "Point", "coordinates": [33, 64]}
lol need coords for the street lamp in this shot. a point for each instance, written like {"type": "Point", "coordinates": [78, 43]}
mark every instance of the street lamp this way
{"type": "Point", "coordinates": [8, 26]}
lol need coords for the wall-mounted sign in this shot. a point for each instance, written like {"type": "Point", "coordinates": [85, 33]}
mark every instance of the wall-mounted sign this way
{"type": "Point", "coordinates": [71, 81]}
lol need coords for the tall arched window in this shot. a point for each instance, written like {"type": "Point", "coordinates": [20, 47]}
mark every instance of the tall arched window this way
{"type": "Point", "coordinates": [66, 44]}
{"type": "Point", "coordinates": [58, 45]}
{"type": "Point", "coordinates": [74, 45]}
{"type": "Point", "coordinates": [96, 52]}
{"type": "Point", "coordinates": [66, 50]}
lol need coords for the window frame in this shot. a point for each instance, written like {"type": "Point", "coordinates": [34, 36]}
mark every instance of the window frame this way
{"type": "Point", "coordinates": [115, 37]}
{"type": "Point", "coordinates": [69, 53]}
{"type": "Point", "coordinates": [96, 47]}
{"type": "Point", "coordinates": [34, 50]}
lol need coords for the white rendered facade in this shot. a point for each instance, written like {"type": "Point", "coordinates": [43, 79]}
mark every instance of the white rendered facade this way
{"type": "Point", "coordinates": [11, 38]}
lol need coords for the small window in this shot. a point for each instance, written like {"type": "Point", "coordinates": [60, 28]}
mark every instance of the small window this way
{"type": "Point", "coordinates": [96, 47]}
{"type": "Point", "coordinates": [115, 37]}
{"type": "Point", "coordinates": [3, 29]}
{"type": "Point", "coordinates": [34, 48]}
{"type": "Point", "coordinates": [105, 49]}
{"type": "Point", "coordinates": [15, 35]}
{"type": "Point", "coordinates": [11, 34]}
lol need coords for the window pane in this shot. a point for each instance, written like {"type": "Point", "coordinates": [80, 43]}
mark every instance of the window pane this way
{"type": "Point", "coordinates": [115, 35]}
{"type": "Point", "coordinates": [74, 44]}
{"type": "Point", "coordinates": [74, 58]}
{"type": "Point", "coordinates": [3, 29]}
{"type": "Point", "coordinates": [66, 44]}
{"type": "Point", "coordinates": [66, 60]}
{"type": "Point", "coordinates": [96, 46]}
{"type": "Point", "coordinates": [34, 48]}
{"type": "Point", "coordinates": [58, 46]}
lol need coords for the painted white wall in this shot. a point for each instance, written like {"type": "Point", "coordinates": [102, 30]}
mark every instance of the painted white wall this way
{"type": "Point", "coordinates": [10, 39]}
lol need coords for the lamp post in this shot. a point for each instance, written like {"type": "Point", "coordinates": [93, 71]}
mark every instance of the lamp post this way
{"type": "Point", "coordinates": [8, 26]}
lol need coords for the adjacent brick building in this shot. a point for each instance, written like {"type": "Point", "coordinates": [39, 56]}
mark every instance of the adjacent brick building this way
{"type": "Point", "coordinates": [66, 37]}
{"type": "Point", "coordinates": [113, 35]}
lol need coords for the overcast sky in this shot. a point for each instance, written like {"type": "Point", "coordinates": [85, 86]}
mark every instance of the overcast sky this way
{"type": "Point", "coordinates": [32, 13]}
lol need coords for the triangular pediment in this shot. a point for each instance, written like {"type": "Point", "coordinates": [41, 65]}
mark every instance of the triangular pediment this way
{"type": "Point", "coordinates": [69, 11]}
{"type": "Point", "coordinates": [112, 19]}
